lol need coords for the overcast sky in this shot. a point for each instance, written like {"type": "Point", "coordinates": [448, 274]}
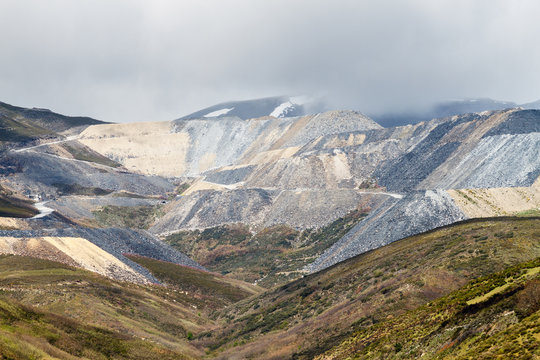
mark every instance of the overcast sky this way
{"type": "Point", "coordinates": [158, 60]}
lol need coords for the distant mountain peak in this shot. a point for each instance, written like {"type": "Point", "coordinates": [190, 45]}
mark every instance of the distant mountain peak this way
{"type": "Point", "coordinates": [277, 106]}
{"type": "Point", "coordinates": [447, 108]}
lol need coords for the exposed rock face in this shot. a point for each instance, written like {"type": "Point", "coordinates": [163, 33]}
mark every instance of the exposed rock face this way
{"type": "Point", "coordinates": [38, 173]}
{"type": "Point", "coordinates": [497, 161]}
{"type": "Point", "coordinates": [487, 150]}
{"type": "Point", "coordinates": [262, 208]}
{"type": "Point", "coordinates": [189, 147]}
{"type": "Point", "coordinates": [494, 149]}
{"type": "Point", "coordinates": [229, 175]}
{"type": "Point", "coordinates": [342, 160]}
{"type": "Point", "coordinates": [248, 155]}
{"type": "Point", "coordinates": [307, 171]}
{"type": "Point", "coordinates": [306, 209]}
{"type": "Point", "coordinates": [396, 219]}
{"type": "Point", "coordinates": [218, 143]}
{"type": "Point", "coordinates": [305, 186]}
{"type": "Point", "coordinates": [211, 208]}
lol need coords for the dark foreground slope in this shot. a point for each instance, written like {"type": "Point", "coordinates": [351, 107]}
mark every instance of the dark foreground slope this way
{"type": "Point", "coordinates": [309, 316]}
{"type": "Point", "coordinates": [50, 309]}
{"type": "Point", "coordinates": [54, 311]}
{"type": "Point", "coordinates": [496, 316]}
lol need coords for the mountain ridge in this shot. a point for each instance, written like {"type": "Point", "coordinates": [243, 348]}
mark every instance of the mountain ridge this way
{"type": "Point", "coordinates": [345, 223]}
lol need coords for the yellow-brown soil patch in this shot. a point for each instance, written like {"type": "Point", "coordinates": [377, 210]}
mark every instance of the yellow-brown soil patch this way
{"type": "Point", "coordinates": [149, 148]}
{"type": "Point", "coordinates": [497, 201]}
{"type": "Point", "coordinates": [73, 251]}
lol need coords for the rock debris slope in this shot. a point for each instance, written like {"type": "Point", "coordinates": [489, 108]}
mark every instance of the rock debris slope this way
{"type": "Point", "coordinates": [415, 213]}
{"type": "Point", "coordinates": [486, 150]}
{"type": "Point", "coordinates": [190, 147]}
{"type": "Point", "coordinates": [304, 172]}
{"type": "Point", "coordinates": [490, 149]}
{"type": "Point", "coordinates": [229, 154]}
{"type": "Point", "coordinates": [307, 171]}
{"type": "Point", "coordinates": [49, 175]}
{"type": "Point", "coordinates": [263, 208]}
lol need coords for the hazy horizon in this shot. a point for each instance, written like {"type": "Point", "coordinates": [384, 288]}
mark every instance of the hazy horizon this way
{"type": "Point", "coordinates": [126, 61]}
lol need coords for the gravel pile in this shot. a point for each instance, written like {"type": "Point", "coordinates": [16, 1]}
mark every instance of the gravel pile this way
{"type": "Point", "coordinates": [394, 220]}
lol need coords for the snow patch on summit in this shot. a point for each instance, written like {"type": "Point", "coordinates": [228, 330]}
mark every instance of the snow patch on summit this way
{"type": "Point", "coordinates": [218, 112]}
{"type": "Point", "coordinates": [284, 108]}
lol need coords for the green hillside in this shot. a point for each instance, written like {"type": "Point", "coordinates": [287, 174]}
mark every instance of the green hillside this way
{"type": "Point", "coordinates": [214, 291]}
{"type": "Point", "coordinates": [27, 333]}
{"type": "Point", "coordinates": [493, 317]}
{"type": "Point", "coordinates": [51, 310]}
{"type": "Point", "coordinates": [13, 131]}
{"type": "Point", "coordinates": [44, 118]}
{"type": "Point", "coordinates": [469, 290]}
{"type": "Point", "coordinates": [12, 206]}
{"type": "Point", "coordinates": [22, 125]}
{"type": "Point", "coordinates": [311, 315]}
{"type": "Point", "coordinates": [269, 257]}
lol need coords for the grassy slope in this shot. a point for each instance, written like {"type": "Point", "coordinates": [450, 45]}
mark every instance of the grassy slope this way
{"type": "Point", "coordinates": [27, 333]}
{"type": "Point", "coordinates": [271, 256]}
{"type": "Point", "coordinates": [497, 316]}
{"type": "Point", "coordinates": [116, 316]}
{"type": "Point", "coordinates": [47, 120]}
{"type": "Point", "coordinates": [216, 290]}
{"type": "Point", "coordinates": [15, 131]}
{"type": "Point", "coordinates": [376, 302]}
{"type": "Point", "coordinates": [84, 153]}
{"type": "Point", "coordinates": [76, 189]}
{"type": "Point", "coordinates": [21, 125]}
{"type": "Point", "coordinates": [309, 316]}
{"type": "Point", "coordinates": [11, 206]}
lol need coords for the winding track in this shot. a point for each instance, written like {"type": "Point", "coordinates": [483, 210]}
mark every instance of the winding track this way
{"type": "Point", "coordinates": [69, 138]}
{"type": "Point", "coordinates": [43, 210]}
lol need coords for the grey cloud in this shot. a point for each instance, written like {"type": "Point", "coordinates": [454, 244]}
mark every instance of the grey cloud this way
{"type": "Point", "coordinates": [157, 60]}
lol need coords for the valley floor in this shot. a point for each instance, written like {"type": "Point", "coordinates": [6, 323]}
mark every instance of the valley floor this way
{"type": "Point", "coordinates": [469, 289]}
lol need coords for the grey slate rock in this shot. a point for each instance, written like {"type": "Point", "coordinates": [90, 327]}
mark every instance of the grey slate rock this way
{"type": "Point", "coordinates": [395, 219]}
